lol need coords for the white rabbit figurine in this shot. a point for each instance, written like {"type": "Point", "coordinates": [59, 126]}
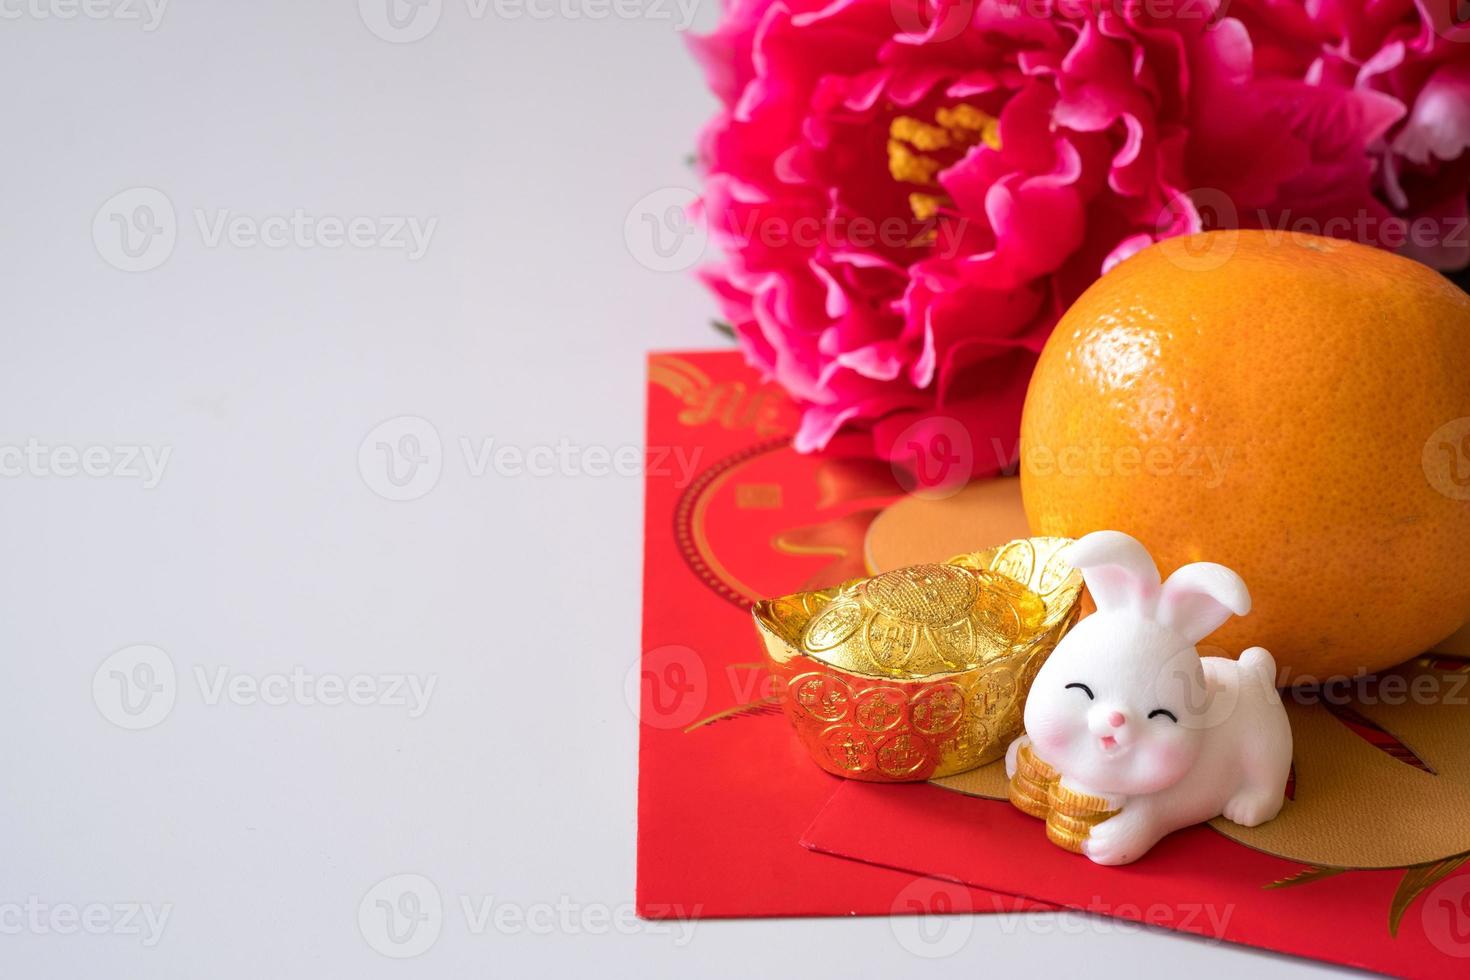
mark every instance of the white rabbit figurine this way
{"type": "Point", "coordinates": [1126, 711]}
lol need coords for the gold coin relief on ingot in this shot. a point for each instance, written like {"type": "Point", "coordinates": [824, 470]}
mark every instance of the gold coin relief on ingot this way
{"type": "Point", "coordinates": [901, 756]}
{"type": "Point", "coordinates": [879, 709]}
{"type": "Point", "coordinates": [938, 709]}
{"type": "Point", "coordinates": [954, 645]}
{"type": "Point", "coordinates": [924, 595]}
{"type": "Point", "coordinates": [995, 692]}
{"type": "Point", "coordinates": [850, 751]}
{"type": "Point", "coordinates": [890, 644]}
{"type": "Point", "coordinates": [833, 626]}
{"type": "Point", "coordinates": [1006, 606]}
{"type": "Point", "coordinates": [821, 696]}
{"type": "Point", "coordinates": [977, 734]}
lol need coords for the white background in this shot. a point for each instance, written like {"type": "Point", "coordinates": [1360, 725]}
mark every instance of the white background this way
{"type": "Point", "coordinates": [264, 547]}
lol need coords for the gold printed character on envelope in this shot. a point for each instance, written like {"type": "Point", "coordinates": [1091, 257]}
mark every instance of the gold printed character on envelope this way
{"type": "Point", "coordinates": [921, 671]}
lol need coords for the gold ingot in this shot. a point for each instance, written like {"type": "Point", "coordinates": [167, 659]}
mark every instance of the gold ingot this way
{"type": "Point", "coordinates": [921, 671]}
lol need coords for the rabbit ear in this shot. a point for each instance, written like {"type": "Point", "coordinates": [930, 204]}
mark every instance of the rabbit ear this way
{"type": "Point", "coordinates": [1198, 598]}
{"type": "Point", "coordinates": [1118, 571]}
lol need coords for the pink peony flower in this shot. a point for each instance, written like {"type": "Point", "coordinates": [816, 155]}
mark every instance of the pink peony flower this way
{"type": "Point", "coordinates": [1418, 54]}
{"type": "Point", "coordinates": [908, 198]}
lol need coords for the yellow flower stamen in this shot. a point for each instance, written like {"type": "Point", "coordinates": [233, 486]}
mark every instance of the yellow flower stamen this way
{"type": "Point", "coordinates": [922, 135]}
{"type": "Point", "coordinates": [918, 150]}
{"type": "Point", "coordinates": [965, 118]}
{"type": "Point", "coordinates": [924, 206]}
{"type": "Point", "coordinates": [908, 167]}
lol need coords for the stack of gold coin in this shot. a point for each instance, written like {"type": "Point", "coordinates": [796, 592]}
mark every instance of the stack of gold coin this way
{"type": "Point", "coordinates": [1072, 817]}
{"type": "Point", "coordinates": [1032, 784]}
{"type": "Point", "coordinates": [1036, 789]}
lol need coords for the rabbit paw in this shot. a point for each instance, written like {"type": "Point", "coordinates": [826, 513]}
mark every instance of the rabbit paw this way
{"type": "Point", "coordinates": [1251, 808]}
{"type": "Point", "coordinates": [1119, 840]}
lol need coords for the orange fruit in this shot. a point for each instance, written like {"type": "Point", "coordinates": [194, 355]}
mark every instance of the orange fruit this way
{"type": "Point", "coordinates": [1296, 408]}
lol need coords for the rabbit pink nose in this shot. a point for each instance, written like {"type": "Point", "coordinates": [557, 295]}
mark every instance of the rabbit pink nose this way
{"type": "Point", "coordinates": [1116, 719]}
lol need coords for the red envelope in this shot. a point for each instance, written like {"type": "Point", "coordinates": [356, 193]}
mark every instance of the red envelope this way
{"type": "Point", "coordinates": [1195, 881]}
{"type": "Point", "coordinates": [725, 790]}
